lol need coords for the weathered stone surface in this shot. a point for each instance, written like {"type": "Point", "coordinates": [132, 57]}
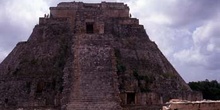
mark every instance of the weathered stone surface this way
{"type": "Point", "coordinates": [89, 57]}
{"type": "Point", "coordinates": [192, 105]}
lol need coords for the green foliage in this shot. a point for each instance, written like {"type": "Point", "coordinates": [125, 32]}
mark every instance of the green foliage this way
{"type": "Point", "coordinates": [117, 53]}
{"type": "Point", "coordinates": [145, 89]}
{"type": "Point", "coordinates": [147, 79]}
{"type": "Point", "coordinates": [209, 89]}
{"type": "Point", "coordinates": [169, 75]}
{"type": "Point", "coordinates": [63, 51]}
{"type": "Point", "coordinates": [121, 68]}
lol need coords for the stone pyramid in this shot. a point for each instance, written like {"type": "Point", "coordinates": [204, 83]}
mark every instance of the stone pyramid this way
{"type": "Point", "coordinates": [89, 57]}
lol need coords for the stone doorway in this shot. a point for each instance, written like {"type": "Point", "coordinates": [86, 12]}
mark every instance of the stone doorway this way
{"type": "Point", "coordinates": [130, 98]}
{"type": "Point", "coordinates": [90, 28]}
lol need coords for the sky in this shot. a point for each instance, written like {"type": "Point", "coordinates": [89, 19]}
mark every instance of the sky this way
{"type": "Point", "coordinates": [186, 31]}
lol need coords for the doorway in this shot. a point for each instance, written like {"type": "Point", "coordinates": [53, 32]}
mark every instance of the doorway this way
{"type": "Point", "coordinates": [90, 28]}
{"type": "Point", "coordinates": [130, 98]}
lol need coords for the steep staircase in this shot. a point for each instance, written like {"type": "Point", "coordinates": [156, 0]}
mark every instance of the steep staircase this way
{"type": "Point", "coordinates": [94, 86]}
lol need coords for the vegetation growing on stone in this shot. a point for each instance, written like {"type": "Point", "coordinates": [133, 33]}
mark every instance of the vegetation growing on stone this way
{"type": "Point", "coordinates": [144, 87]}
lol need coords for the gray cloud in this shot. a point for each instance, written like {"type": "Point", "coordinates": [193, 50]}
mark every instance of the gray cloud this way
{"type": "Point", "coordinates": [191, 12]}
{"type": "Point", "coordinates": [17, 21]}
{"type": "Point", "coordinates": [204, 53]}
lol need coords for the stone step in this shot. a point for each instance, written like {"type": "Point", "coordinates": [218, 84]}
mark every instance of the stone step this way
{"type": "Point", "coordinates": [93, 106]}
{"type": "Point", "coordinates": [140, 107]}
{"type": "Point", "coordinates": [93, 84]}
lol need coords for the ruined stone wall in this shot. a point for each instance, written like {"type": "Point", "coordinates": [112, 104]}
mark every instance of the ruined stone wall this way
{"type": "Point", "coordinates": [133, 21]}
{"type": "Point", "coordinates": [110, 5]}
{"type": "Point", "coordinates": [70, 4]}
{"type": "Point", "coordinates": [108, 9]}
{"type": "Point", "coordinates": [205, 105]}
{"type": "Point", "coordinates": [62, 12]}
{"type": "Point", "coordinates": [89, 16]}
{"type": "Point", "coordinates": [117, 13]}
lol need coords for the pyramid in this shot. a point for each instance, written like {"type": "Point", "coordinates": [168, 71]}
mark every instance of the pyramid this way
{"type": "Point", "coordinates": [89, 56]}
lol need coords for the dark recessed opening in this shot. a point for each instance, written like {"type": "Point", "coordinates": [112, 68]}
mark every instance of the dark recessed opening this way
{"type": "Point", "coordinates": [89, 28]}
{"type": "Point", "coordinates": [40, 87]}
{"type": "Point", "coordinates": [130, 98]}
{"type": "Point", "coordinates": [6, 101]}
{"type": "Point", "coordinates": [28, 87]}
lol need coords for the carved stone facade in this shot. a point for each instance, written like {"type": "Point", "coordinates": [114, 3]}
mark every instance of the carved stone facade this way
{"type": "Point", "coordinates": [89, 57]}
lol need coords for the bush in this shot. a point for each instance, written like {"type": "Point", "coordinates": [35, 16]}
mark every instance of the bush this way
{"type": "Point", "coordinates": [209, 89]}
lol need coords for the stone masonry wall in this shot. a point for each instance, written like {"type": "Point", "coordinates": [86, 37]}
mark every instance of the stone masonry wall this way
{"type": "Point", "coordinates": [95, 81]}
{"type": "Point", "coordinates": [31, 76]}
{"type": "Point", "coordinates": [204, 105]}
{"type": "Point", "coordinates": [108, 9]}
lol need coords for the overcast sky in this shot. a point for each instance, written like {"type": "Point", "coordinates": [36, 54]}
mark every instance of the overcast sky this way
{"type": "Point", "coordinates": [186, 31]}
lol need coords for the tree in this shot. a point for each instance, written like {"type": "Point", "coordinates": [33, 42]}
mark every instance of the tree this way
{"type": "Point", "coordinates": [209, 89]}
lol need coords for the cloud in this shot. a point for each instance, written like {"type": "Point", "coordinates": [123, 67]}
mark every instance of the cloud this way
{"type": "Point", "coordinates": [204, 54]}
{"type": "Point", "coordinates": [207, 40]}
{"type": "Point", "coordinates": [17, 21]}
{"type": "Point", "coordinates": [192, 12]}
{"type": "Point", "coordinates": [3, 54]}
{"type": "Point", "coordinates": [175, 13]}
{"type": "Point", "coordinates": [206, 48]}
